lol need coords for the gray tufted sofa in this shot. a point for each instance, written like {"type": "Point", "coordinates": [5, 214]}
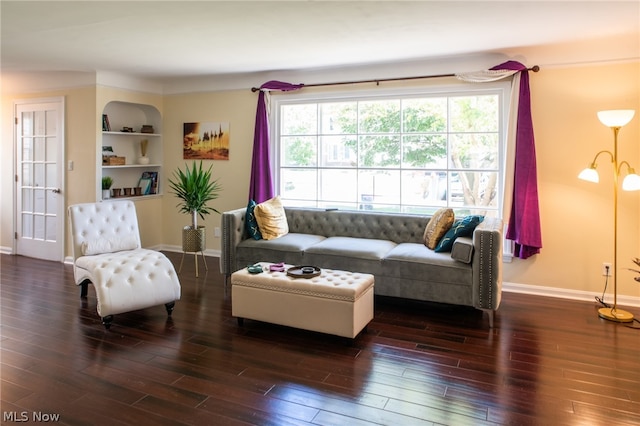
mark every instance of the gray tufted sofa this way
{"type": "Point", "coordinates": [389, 246]}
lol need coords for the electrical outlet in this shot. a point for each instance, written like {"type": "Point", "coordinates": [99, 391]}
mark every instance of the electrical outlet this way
{"type": "Point", "coordinates": [606, 269]}
{"type": "Point", "coordinates": [216, 232]}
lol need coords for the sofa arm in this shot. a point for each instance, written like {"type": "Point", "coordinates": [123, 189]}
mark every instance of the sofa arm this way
{"type": "Point", "coordinates": [487, 264]}
{"type": "Point", "coordinates": [233, 232]}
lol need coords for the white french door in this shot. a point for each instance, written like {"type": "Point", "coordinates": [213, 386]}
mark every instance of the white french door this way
{"type": "Point", "coordinates": [39, 178]}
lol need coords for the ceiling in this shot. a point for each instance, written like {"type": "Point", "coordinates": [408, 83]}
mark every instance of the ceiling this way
{"type": "Point", "coordinates": [175, 39]}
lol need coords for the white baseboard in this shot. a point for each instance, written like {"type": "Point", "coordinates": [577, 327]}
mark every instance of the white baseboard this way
{"type": "Point", "coordinates": [564, 293]}
{"type": "Point", "coordinates": [6, 250]}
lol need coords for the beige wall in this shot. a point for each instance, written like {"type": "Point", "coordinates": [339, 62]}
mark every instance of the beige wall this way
{"type": "Point", "coordinates": [576, 216]}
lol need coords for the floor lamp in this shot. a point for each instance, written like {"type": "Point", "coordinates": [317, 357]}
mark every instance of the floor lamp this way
{"type": "Point", "coordinates": [614, 119]}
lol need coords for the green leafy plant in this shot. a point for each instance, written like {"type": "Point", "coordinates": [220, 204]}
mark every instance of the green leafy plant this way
{"type": "Point", "coordinates": [637, 262]}
{"type": "Point", "coordinates": [107, 182]}
{"type": "Point", "coordinates": [195, 188]}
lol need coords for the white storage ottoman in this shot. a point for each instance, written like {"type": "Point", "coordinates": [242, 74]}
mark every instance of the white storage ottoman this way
{"type": "Point", "coordinates": [335, 302]}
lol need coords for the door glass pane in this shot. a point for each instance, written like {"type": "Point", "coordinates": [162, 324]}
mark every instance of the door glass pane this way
{"type": "Point", "coordinates": [52, 149]}
{"type": "Point", "coordinates": [51, 202]}
{"type": "Point", "coordinates": [51, 117]}
{"type": "Point", "coordinates": [27, 147]}
{"type": "Point", "coordinates": [39, 123]}
{"type": "Point", "coordinates": [38, 202]}
{"type": "Point", "coordinates": [50, 229]}
{"type": "Point", "coordinates": [27, 179]}
{"type": "Point", "coordinates": [27, 123]}
{"type": "Point", "coordinates": [39, 149]}
{"type": "Point", "coordinates": [38, 227]}
{"type": "Point", "coordinates": [51, 174]}
{"type": "Point", "coordinates": [27, 199]}
{"type": "Point", "coordinates": [38, 175]}
{"type": "Point", "coordinates": [27, 226]}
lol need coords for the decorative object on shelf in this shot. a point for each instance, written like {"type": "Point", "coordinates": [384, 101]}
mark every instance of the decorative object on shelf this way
{"type": "Point", "coordinates": [149, 183]}
{"type": "Point", "coordinates": [137, 191]}
{"type": "Point", "coordinates": [106, 127]}
{"type": "Point", "coordinates": [127, 130]}
{"type": "Point", "coordinates": [146, 128]}
{"type": "Point", "coordinates": [107, 181]}
{"type": "Point", "coordinates": [194, 187]}
{"type": "Point", "coordinates": [116, 192]}
{"type": "Point", "coordinates": [208, 141]}
{"type": "Point", "coordinates": [614, 119]}
{"type": "Point", "coordinates": [143, 159]}
{"type": "Point", "coordinates": [109, 158]}
{"type": "Point", "coordinates": [114, 161]}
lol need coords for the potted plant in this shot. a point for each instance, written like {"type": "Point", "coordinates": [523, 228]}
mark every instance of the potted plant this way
{"type": "Point", "coordinates": [107, 181]}
{"type": "Point", "coordinates": [195, 188]}
{"type": "Point", "coordinates": [143, 159]}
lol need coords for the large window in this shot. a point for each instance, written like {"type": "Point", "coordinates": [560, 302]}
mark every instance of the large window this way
{"type": "Point", "coordinates": [408, 152]}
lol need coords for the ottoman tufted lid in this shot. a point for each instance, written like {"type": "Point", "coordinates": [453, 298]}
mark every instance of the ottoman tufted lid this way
{"type": "Point", "coordinates": [330, 284]}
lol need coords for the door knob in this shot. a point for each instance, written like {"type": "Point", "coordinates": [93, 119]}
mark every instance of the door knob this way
{"type": "Point", "coordinates": [56, 190]}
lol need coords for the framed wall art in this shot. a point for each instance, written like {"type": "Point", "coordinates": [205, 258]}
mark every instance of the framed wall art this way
{"type": "Point", "coordinates": [205, 141]}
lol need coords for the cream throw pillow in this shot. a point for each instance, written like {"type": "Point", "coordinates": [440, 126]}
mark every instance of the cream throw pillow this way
{"type": "Point", "coordinates": [271, 219]}
{"type": "Point", "coordinates": [439, 224]}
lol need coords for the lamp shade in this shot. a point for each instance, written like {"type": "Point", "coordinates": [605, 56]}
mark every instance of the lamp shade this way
{"type": "Point", "coordinates": [631, 182]}
{"type": "Point", "coordinates": [589, 174]}
{"type": "Point", "coordinates": [616, 117]}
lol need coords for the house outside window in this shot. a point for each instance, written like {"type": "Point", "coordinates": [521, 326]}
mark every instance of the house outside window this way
{"type": "Point", "coordinates": [404, 151]}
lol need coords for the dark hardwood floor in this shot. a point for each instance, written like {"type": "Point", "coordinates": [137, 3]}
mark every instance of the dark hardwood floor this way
{"type": "Point", "coordinates": [547, 361]}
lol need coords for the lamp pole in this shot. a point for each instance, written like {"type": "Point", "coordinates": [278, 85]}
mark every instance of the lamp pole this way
{"type": "Point", "coordinates": [612, 313]}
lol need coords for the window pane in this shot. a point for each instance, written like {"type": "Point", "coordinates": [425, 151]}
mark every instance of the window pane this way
{"type": "Point", "coordinates": [474, 151]}
{"type": "Point", "coordinates": [474, 113]}
{"type": "Point", "coordinates": [299, 151]}
{"type": "Point", "coordinates": [299, 119]}
{"type": "Point", "coordinates": [27, 147]}
{"type": "Point", "coordinates": [379, 151]}
{"type": "Point", "coordinates": [50, 228]}
{"type": "Point", "coordinates": [338, 151]}
{"type": "Point", "coordinates": [424, 115]}
{"type": "Point", "coordinates": [27, 226]}
{"type": "Point", "coordinates": [339, 118]}
{"type": "Point", "coordinates": [338, 185]}
{"type": "Point", "coordinates": [298, 184]}
{"type": "Point", "coordinates": [379, 116]}
{"type": "Point", "coordinates": [474, 189]}
{"type": "Point", "coordinates": [424, 151]}
{"type": "Point", "coordinates": [424, 188]}
{"type": "Point", "coordinates": [52, 149]}
{"type": "Point", "coordinates": [379, 187]}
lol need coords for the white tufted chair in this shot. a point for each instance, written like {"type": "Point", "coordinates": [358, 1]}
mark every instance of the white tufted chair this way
{"type": "Point", "coordinates": [107, 253]}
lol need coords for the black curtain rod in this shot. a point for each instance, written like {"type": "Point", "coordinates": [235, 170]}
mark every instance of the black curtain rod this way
{"type": "Point", "coordinates": [534, 68]}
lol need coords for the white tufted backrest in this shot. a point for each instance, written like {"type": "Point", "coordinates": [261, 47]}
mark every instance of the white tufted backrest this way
{"type": "Point", "coordinates": [111, 221]}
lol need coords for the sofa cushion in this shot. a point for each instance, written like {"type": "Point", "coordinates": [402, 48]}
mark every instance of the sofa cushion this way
{"type": "Point", "coordinates": [272, 219]}
{"type": "Point", "coordinates": [411, 260]}
{"type": "Point", "coordinates": [290, 242]}
{"type": "Point", "coordinates": [360, 248]}
{"type": "Point", "coordinates": [439, 224]}
{"type": "Point", "coordinates": [460, 228]}
{"type": "Point", "coordinates": [462, 250]}
{"type": "Point", "coordinates": [251, 223]}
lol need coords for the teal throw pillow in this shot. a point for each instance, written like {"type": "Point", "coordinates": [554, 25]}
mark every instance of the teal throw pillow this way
{"type": "Point", "coordinates": [251, 223]}
{"type": "Point", "coordinates": [460, 228]}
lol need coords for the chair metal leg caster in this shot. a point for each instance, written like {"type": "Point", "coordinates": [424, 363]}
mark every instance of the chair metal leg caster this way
{"type": "Point", "coordinates": [106, 321]}
{"type": "Point", "coordinates": [169, 306]}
